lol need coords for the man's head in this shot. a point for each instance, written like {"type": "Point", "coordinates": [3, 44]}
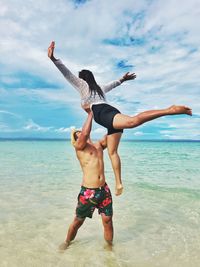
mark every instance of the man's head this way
{"type": "Point", "coordinates": [75, 135]}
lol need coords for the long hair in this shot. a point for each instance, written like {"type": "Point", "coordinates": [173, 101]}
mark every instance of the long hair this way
{"type": "Point", "coordinates": [88, 76]}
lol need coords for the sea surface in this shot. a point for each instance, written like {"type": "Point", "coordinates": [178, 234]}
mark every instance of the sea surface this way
{"type": "Point", "coordinates": [156, 220]}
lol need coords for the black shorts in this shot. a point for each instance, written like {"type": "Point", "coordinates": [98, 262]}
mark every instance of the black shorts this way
{"type": "Point", "coordinates": [104, 115]}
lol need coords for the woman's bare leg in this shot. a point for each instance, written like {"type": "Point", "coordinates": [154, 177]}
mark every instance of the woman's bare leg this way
{"type": "Point", "coordinates": [121, 121]}
{"type": "Point", "coordinates": [112, 146]}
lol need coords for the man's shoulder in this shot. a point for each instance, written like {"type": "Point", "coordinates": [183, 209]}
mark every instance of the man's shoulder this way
{"type": "Point", "coordinates": [77, 148]}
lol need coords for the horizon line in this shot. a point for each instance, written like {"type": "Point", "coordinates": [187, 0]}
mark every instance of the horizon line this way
{"type": "Point", "coordinates": [68, 139]}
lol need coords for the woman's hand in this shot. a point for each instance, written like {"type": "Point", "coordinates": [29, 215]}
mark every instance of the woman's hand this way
{"type": "Point", "coordinates": [88, 110]}
{"type": "Point", "coordinates": [51, 51]}
{"type": "Point", "coordinates": [128, 76]}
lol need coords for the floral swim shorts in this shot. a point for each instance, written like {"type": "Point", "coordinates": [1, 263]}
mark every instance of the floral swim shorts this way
{"type": "Point", "coordinates": [91, 198]}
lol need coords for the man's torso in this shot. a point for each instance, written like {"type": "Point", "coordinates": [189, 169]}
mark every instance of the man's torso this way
{"type": "Point", "coordinates": [91, 161]}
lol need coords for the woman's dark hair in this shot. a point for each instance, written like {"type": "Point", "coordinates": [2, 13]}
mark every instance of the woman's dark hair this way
{"type": "Point", "coordinates": [88, 76]}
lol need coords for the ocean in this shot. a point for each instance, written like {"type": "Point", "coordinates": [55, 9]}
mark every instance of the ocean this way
{"type": "Point", "coordinates": [156, 220]}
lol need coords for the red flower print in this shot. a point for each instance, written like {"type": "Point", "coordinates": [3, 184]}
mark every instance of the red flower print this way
{"type": "Point", "coordinates": [106, 188]}
{"type": "Point", "coordinates": [89, 193]}
{"type": "Point", "coordinates": [106, 202]}
{"type": "Point", "coordinates": [82, 199]}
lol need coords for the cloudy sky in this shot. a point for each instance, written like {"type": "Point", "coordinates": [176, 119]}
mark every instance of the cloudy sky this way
{"type": "Point", "coordinates": [158, 40]}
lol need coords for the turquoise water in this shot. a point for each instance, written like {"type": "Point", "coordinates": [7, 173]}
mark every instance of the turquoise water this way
{"type": "Point", "coordinates": [156, 220]}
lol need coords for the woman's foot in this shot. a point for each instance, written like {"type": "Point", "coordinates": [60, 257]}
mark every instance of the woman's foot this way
{"type": "Point", "coordinates": [108, 246]}
{"type": "Point", "coordinates": [64, 245]}
{"type": "Point", "coordinates": [174, 110]}
{"type": "Point", "coordinates": [119, 190]}
{"type": "Point", "coordinates": [51, 50]}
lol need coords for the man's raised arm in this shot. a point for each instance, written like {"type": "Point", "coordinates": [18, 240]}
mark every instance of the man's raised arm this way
{"type": "Point", "coordinates": [85, 133]}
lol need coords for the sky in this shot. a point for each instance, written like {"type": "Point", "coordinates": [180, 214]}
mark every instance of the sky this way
{"type": "Point", "coordinates": [158, 40]}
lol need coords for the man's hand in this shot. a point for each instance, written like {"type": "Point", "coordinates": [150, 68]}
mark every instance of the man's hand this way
{"type": "Point", "coordinates": [128, 76]}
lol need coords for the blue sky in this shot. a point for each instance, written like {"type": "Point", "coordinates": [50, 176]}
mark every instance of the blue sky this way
{"type": "Point", "coordinates": [158, 40]}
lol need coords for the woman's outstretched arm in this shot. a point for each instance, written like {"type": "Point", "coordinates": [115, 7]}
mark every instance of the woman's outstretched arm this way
{"type": "Point", "coordinates": [127, 76]}
{"type": "Point", "coordinates": [108, 87]}
{"type": "Point", "coordinates": [76, 82]}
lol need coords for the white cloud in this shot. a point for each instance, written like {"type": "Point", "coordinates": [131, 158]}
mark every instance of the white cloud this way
{"type": "Point", "coordinates": [65, 130]}
{"type": "Point", "coordinates": [9, 113]}
{"type": "Point", "coordinates": [167, 74]}
{"type": "Point", "coordinates": [138, 133]}
{"type": "Point", "coordinates": [99, 131]}
{"type": "Point", "coordinates": [183, 129]}
{"type": "Point", "coordinates": [56, 95]}
{"type": "Point", "coordinates": [32, 126]}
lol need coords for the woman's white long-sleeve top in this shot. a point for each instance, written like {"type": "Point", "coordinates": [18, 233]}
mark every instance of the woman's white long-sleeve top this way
{"type": "Point", "coordinates": [87, 99]}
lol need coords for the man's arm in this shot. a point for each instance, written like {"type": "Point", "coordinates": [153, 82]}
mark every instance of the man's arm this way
{"type": "Point", "coordinates": [85, 133]}
{"type": "Point", "coordinates": [103, 142]}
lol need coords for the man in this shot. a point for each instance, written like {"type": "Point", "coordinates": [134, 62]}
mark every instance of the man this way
{"type": "Point", "coordinates": [94, 193]}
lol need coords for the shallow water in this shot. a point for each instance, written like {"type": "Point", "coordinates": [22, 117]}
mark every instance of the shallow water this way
{"type": "Point", "coordinates": [156, 220]}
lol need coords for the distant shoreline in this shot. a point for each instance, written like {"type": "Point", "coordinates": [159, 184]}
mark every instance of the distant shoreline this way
{"type": "Point", "coordinates": [127, 140]}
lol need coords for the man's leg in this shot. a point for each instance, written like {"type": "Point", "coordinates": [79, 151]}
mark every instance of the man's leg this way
{"type": "Point", "coordinates": [72, 231]}
{"type": "Point", "coordinates": [108, 228]}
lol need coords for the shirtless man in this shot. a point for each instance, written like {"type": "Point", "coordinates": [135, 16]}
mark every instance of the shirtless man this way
{"type": "Point", "coordinates": [94, 192]}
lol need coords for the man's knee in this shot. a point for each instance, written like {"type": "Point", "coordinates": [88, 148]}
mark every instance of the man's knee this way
{"type": "Point", "coordinates": [107, 221]}
{"type": "Point", "coordinates": [78, 222]}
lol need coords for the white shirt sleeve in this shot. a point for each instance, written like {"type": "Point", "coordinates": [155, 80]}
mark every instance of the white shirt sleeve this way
{"type": "Point", "coordinates": [76, 82]}
{"type": "Point", "coordinates": [108, 87]}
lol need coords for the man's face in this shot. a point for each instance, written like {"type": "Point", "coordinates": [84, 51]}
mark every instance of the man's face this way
{"type": "Point", "coordinates": [77, 135]}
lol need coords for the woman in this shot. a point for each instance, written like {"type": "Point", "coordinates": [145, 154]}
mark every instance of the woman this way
{"type": "Point", "coordinates": [93, 97]}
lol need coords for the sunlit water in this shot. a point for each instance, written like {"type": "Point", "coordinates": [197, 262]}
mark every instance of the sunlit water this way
{"type": "Point", "coordinates": [156, 220]}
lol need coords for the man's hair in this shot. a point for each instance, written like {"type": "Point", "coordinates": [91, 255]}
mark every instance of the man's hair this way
{"type": "Point", "coordinates": [74, 136]}
{"type": "Point", "coordinates": [94, 88]}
